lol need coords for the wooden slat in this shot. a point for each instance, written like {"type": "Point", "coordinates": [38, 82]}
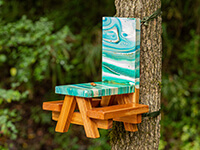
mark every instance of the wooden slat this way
{"type": "Point", "coordinates": [77, 119]}
{"type": "Point", "coordinates": [117, 111]}
{"type": "Point", "coordinates": [132, 97]}
{"type": "Point", "coordinates": [65, 116]}
{"type": "Point", "coordinates": [133, 127]}
{"type": "Point", "coordinates": [53, 105]}
{"type": "Point", "coordinates": [104, 124]}
{"type": "Point", "coordinates": [55, 115]}
{"type": "Point", "coordinates": [90, 126]}
{"type": "Point", "coordinates": [57, 105]}
{"type": "Point", "coordinates": [125, 99]}
{"type": "Point", "coordinates": [106, 100]}
{"type": "Point", "coordinates": [130, 127]}
{"type": "Point", "coordinates": [95, 102]}
{"type": "Point", "coordinates": [134, 119]}
{"type": "Point", "coordinates": [135, 98]}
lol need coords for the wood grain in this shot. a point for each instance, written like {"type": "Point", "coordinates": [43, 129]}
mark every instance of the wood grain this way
{"type": "Point", "coordinates": [53, 105]}
{"type": "Point", "coordinates": [134, 119]}
{"type": "Point", "coordinates": [65, 116]}
{"type": "Point", "coordinates": [77, 119]}
{"type": "Point", "coordinates": [136, 96]}
{"type": "Point", "coordinates": [57, 105]}
{"type": "Point", "coordinates": [55, 115]}
{"type": "Point", "coordinates": [130, 127]}
{"type": "Point", "coordinates": [90, 126]}
{"type": "Point", "coordinates": [104, 124]}
{"type": "Point", "coordinates": [117, 111]}
{"type": "Point", "coordinates": [105, 100]}
{"type": "Point", "coordinates": [125, 99]}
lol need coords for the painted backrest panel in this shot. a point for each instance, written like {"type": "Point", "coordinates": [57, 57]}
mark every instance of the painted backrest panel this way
{"type": "Point", "coordinates": [121, 50]}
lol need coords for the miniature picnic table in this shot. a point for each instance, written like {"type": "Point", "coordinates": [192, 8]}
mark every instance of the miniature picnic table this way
{"type": "Point", "coordinates": [119, 88]}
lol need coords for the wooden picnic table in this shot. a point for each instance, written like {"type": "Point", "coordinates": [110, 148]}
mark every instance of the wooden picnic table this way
{"type": "Point", "coordinates": [118, 92]}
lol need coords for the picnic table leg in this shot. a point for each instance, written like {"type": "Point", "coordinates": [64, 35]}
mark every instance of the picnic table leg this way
{"type": "Point", "coordinates": [107, 100]}
{"type": "Point", "coordinates": [90, 126]}
{"type": "Point", "coordinates": [66, 113]}
{"type": "Point", "coordinates": [124, 99]}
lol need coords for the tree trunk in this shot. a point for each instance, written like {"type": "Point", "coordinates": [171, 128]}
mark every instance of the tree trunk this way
{"type": "Point", "coordinates": [148, 134]}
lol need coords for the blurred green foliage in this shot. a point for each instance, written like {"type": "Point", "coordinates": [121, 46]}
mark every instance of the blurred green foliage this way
{"type": "Point", "coordinates": [181, 79]}
{"type": "Point", "coordinates": [42, 45]}
{"type": "Point", "coordinates": [46, 43]}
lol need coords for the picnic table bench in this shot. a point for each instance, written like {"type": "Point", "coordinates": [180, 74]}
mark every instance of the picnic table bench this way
{"type": "Point", "coordinates": [116, 98]}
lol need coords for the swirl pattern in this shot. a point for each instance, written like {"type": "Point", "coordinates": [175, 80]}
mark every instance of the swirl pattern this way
{"type": "Point", "coordinates": [121, 50]}
{"type": "Point", "coordinates": [120, 61]}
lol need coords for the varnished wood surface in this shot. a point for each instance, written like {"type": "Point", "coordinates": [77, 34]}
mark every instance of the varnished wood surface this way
{"type": "Point", "coordinates": [77, 119]}
{"type": "Point", "coordinates": [136, 96]}
{"type": "Point", "coordinates": [125, 99]}
{"type": "Point", "coordinates": [57, 105]}
{"type": "Point", "coordinates": [134, 119]}
{"type": "Point", "coordinates": [65, 116]}
{"type": "Point", "coordinates": [105, 100]}
{"type": "Point", "coordinates": [130, 127]}
{"type": "Point", "coordinates": [90, 126]}
{"type": "Point", "coordinates": [53, 105]}
{"type": "Point", "coordinates": [55, 115]}
{"type": "Point", "coordinates": [117, 111]}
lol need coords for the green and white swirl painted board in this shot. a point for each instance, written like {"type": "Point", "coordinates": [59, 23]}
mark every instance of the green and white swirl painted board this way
{"type": "Point", "coordinates": [120, 61]}
{"type": "Point", "coordinates": [121, 50]}
{"type": "Point", "coordinates": [100, 89]}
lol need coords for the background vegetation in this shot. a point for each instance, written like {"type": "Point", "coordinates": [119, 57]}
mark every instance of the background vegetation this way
{"type": "Point", "coordinates": [46, 43]}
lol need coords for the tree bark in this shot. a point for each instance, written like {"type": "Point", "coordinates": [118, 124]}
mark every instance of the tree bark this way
{"type": "Point", "coordinates": [148, 134]}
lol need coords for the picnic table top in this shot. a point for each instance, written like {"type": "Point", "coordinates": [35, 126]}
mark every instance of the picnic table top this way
{"type": "Point", "coordinates": [95, 89]}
